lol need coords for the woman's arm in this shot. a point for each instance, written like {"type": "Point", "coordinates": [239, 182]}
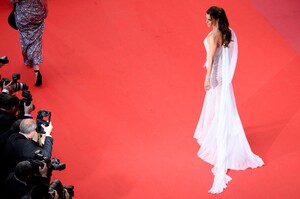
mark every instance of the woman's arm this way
{"type": "Point", "coordinates": [213, 44]}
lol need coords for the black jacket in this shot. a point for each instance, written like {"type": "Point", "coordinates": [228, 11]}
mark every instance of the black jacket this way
{"type": "Point", "coordinates": [14, 189]}
{"type": "Point", "coordinates": [6, 121]}
{"type": "Point", "coordinates": [18, 148]}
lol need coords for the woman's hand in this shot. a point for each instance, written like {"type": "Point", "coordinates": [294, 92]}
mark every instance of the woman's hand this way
{"type": "Point", "coordinates": [206, 84]}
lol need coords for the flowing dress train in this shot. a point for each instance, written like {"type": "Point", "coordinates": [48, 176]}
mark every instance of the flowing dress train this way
{"type": "Point", "coordinates": [219, 131]}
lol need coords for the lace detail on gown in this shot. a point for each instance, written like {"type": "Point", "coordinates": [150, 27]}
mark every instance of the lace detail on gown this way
{"type": "Point", "coordinates": [219, 131]}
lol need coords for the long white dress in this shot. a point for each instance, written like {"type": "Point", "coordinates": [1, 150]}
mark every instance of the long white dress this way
{"type": "Point", "coordinates": [219, 131]}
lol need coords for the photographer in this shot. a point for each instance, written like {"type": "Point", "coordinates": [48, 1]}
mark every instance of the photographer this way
{"type": "Point", "coordinates": [23, 145]}
{"type": "Point", "coordinates": [9, 124]}
{"type": "Point", "coordinates": [41, 192]}
{"type": "Point", "coordinates": [22, 180]}
{"type": "Point", "coordinates": [9, 107]}
{"type": "Point", "coordinates": [8, 111]}
{"type": "Point", "coordinates": [3, 138]}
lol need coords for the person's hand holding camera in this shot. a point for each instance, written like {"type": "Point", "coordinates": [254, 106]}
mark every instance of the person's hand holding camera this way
{"type": "Point", "coordinates": [54, 194]}
{"type": "Point", "coordinates": [6, 88]}
{"type": "Point", "coordinates": [48, 129]}
{"type": "Point", "coordinates": [28, 109]}
{"type": "Point", "coordinates": [44, 170]}
{"type": "Point", "coordinates": [66, 193]}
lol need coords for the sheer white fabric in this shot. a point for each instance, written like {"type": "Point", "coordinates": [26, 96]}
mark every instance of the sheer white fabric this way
{"type": "Point", "coordinates": [219, 131]}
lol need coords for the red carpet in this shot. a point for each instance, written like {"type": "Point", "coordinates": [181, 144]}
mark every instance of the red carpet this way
{"type": "Point", "coordinates": [124, 82]}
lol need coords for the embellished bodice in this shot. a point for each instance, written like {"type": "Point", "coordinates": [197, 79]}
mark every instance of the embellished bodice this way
{"type": "Point", "coordinates": [216, 73]}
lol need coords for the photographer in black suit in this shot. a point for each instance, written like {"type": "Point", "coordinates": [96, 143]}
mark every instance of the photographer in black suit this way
{"type": "Point", "coordinates": [22, 180]}
{"type": "Point", "coordinates": [8, 111]}
{"type": "Point", "coordinates": [9, 107]}
{"type": "Point", "coordinates": [17, 183]}
{"type": "Point", "coordinates": [8, 116]}
{"type": "Point", "coordinates": [9, 124]}
{"type": "Point", "coordinates": [23, 145]}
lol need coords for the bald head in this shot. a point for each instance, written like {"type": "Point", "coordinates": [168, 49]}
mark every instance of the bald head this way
{"type": "Point", "coordinates": [27, 126]}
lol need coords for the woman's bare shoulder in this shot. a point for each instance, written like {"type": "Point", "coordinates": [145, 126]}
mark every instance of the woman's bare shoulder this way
{"type": "Point", "coordinates": [215, 34]}
{"type": "Point", "coordinates": [215, 37]}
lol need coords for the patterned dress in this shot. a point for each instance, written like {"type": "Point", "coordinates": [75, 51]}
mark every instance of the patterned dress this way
{"type": "Point", "coordinates": [30, 15]}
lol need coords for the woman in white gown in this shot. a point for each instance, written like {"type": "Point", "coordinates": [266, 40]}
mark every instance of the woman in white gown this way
{"type": "Point", "coordinates": [219, 131]}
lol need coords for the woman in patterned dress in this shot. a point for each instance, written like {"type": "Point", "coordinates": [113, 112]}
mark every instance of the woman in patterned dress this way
{"type": "Point", "coordinates": [30, 16]}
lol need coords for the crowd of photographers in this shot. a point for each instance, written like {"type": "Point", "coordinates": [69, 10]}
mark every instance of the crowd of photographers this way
{"type": "Point", "coordinates": [26, 146]}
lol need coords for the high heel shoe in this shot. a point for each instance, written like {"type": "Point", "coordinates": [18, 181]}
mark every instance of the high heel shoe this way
{"type": "Point", "coordinates": [38, 80]}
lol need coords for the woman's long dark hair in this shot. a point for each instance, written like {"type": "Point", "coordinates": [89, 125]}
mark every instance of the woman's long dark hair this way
{"type": "Point", "coordinates": [223, 25]}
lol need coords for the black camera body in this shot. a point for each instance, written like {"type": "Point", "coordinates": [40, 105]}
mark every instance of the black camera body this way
{"type": "Point", "coordinates": [59, 187]}
{"type": "Point", "coordinates": [27, 99]}
{"type": "Point", "coordinates": [15, 77]}
{"type": "Point", "coordinates": [52, 164]}
{"type": "Point", "coordinates": [15, 86]}
{"type": "Point", "coordinates": [4, 60]}
{"type": "Point", "coordinates": [6, 80]}
{"type": "Point", "coordinates": [43, 117]}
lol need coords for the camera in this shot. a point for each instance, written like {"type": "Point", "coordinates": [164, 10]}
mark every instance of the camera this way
{"type": "Point", "coordinates": [43, 117]}
{"type": "Point", "coordinates": [15, 86]}
{"type": "Point", "coordinates": [52, 164]}
{"type": "Point", "coordinates": [4, 60]}
{"type": "Point", "coordinates": [59, 187]}
{"type": "Point", "coordinates": [27, 99]}
{"type": "Point", "coordinates": [15, 77]}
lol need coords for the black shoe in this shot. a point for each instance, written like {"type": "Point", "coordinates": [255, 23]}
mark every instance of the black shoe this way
{"type": "Point", "coordinates": [38, 80]}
